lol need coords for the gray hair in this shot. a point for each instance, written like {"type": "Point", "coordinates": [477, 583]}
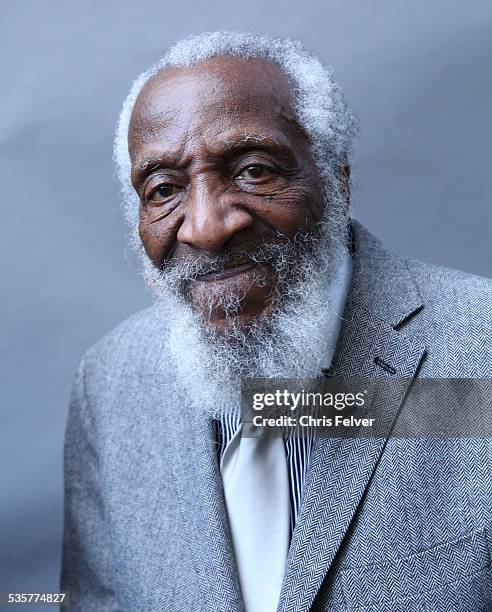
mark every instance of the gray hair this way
{"type": "Point", "coordinates": [317, 100]}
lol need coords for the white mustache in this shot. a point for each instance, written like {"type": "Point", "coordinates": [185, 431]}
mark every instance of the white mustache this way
{"type": "Point", "coordinates": [279, 255]}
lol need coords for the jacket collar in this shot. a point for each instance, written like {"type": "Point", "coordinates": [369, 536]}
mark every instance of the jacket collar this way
{"type": "Point", "coordinates": [381, 281]}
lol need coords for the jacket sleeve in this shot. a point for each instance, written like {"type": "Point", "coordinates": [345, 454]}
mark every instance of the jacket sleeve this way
{"type": "Point", "coordinates": [87, 570]}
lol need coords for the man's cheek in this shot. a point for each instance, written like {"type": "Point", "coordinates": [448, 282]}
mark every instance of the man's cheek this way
{"type": "Point", "coordinates": [158, 240]}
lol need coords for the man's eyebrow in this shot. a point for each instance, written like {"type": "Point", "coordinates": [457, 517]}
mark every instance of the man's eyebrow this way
{"type": "Point", "coordinates": [145, 165]}
{"type": "Point", "coordinates": [249, 141]}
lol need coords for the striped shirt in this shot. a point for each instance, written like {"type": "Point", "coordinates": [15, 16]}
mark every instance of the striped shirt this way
{"type": "Point", "coordinates": [298, 451]}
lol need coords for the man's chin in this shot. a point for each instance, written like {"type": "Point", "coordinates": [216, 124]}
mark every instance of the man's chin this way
{"type": "Point", "coordinates": [233, 326]}
{"type": "Point", "coordinates": [229, 312]}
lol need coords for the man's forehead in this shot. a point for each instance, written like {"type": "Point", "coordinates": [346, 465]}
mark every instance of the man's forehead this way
{"type": "Point", "coordinates": [218, 90]}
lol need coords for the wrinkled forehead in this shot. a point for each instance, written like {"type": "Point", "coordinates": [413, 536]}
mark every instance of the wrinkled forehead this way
{"type": "Point", "coordinates": [216, 95]}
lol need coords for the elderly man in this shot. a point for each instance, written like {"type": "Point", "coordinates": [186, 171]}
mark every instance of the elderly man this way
{"type": "Point", "coordinates": [233, 152]}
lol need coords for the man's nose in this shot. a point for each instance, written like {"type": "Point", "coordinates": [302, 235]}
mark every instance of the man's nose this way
{"type": "Point", "coordinates": [211, 219]}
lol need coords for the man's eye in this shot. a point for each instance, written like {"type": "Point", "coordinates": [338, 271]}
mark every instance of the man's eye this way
{"type": "Point", "coordinates": [164, 191]}
{"type": "Point", "coordinates": [253, 172]}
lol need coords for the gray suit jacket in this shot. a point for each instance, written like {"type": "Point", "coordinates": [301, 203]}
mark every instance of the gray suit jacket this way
{"type": "Point", "coordinates": [386, 524]}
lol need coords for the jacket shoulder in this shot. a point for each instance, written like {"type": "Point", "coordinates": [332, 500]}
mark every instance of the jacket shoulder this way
{"type": "Point", "coordinates": [132, 331]}
{"type": "Point", "coordinates": [458, 314]}
{"type": "Point", "coordinates": [128, 351]}
{"type": "Point", "coordinates": [455, 292]}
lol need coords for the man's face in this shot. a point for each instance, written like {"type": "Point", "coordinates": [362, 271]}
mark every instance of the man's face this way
{"type": "Point", "coordinates": [222, 168]}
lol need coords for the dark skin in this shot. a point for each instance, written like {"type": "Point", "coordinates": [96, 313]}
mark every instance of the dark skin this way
{"type": "Point", "coordinates": [220, 161]}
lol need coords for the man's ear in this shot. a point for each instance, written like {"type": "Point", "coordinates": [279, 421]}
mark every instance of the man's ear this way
{"type": "Point", "coordinates": [346, 183]}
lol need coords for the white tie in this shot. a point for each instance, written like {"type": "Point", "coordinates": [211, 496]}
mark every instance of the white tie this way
{"type": "Point", "coordinates": [256, 488]}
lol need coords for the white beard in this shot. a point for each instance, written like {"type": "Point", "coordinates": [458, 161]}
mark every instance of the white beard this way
{"type": "Point", "coordinates": [209, 366]}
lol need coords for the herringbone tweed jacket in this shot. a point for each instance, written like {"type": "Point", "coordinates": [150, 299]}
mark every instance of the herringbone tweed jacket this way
{"type": "Point", "coordinates": [385, 525]}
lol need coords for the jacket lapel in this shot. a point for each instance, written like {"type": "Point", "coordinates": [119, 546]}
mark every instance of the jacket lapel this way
{"type": "Point", "coordinates": [373, 344]}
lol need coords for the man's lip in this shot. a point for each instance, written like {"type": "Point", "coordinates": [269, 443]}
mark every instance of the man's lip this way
{"type": "Point", "coordinates": [214, 276]}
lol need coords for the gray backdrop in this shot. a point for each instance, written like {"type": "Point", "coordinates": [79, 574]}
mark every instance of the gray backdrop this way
{"type": "Point", "coordinates": [416, 72]}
